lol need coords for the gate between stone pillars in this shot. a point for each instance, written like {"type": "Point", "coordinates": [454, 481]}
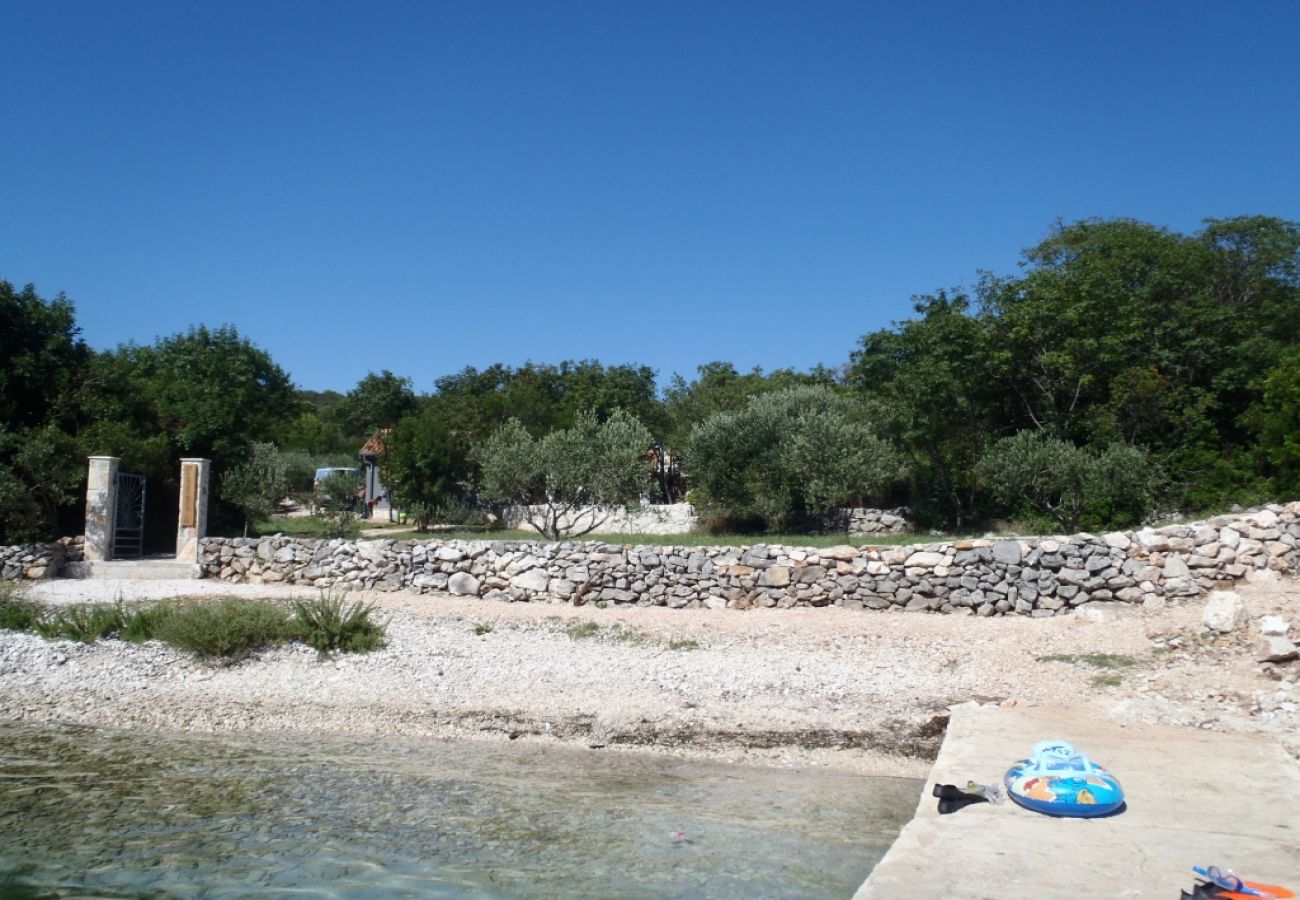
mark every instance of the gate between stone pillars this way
{"type": "Point", "coordinates": [128, 521]}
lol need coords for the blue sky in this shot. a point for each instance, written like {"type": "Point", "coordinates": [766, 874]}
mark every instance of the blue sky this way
{"type": "Point", "coordinates": [424, 186]}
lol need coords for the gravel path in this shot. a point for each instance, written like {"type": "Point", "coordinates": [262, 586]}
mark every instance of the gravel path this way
{"type": "Point", "coordinates": [855, 690]}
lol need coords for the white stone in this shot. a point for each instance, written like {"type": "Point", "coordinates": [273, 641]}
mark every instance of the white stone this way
{"type": "Point", "coordinates": [1273, 625]}
{"type": "Point", "coordinates": [1277, 649]}
{"type": "Point", "coordinates": [1265, 518]}
{"type": "Point", "coordinates": [1175, 567]}
{"type": "Point", "coordinates": [925, 559]}
{"type": "Point", "coordinates": [463, 584]}
{"type": "Point", "coordinates": [1225, 612]}
{"type": "Point", "coordinates": [1117, 539]}
{"type": "Point", "coordinates": [534, 580]}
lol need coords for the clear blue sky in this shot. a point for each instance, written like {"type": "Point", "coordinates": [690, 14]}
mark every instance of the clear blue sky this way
{"type": "Point", "coordinates": [423, 186]}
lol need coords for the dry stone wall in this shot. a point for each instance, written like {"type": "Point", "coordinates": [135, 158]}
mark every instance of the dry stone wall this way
{"type": "Point", "coordinates": [862, 522]}
{"type": "Point", "coordinates": [35, 561]}
{"type": "Point", "coordinates": [1037, 577]}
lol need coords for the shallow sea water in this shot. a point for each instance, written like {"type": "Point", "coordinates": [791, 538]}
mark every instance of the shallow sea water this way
{"type": "Point", "coordinates": [94, 813]}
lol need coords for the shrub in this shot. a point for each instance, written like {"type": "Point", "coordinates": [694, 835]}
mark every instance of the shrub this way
{"type": "Point", "coordinates": [338, 504]}
{"type": "Point", "coordinates": [229, 629]}
{"type": "Point", "coordinates": [329, 624]}
{"type": "Point", "coordinates": [16, 613]}
{"type": "Point", "coordinates": [788, 457]}
{"type": "Point", "coordinates": [1035, 474]}
{"type": "Point", "coordinates": [83, 622]}
{"type": "Point", "coordinates": [143, 623]}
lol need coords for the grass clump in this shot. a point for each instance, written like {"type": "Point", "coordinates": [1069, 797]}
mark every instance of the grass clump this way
{"type": "Point", "coordinates": [84, 622]}
{"type": "Point", "coordinates": [482, 628]}
{"type": "Point", "coordinates": [143, 622]}
{"type": "Point", "coordinates": [17, 613]}
{"type": "Point", "coordinates": [1110, 680]}
{"type": "Point", "coordinates": [229, 629]}
{"type": "Point", "coordinates": [683, 644]}
{"type": "Point", "coordinates": [581, 630]}
{"type": "Point", "coordinates": [1095, 660]}
{"type": "Point", "coordinates": [330, 624]}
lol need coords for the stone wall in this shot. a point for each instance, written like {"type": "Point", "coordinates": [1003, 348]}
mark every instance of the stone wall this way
{"type": "Point", "coordinates": [1039, 577]}
{"type": "Point", "coordinates": [667, 518]}
{"type": "Point", "coordinates": [35, 561]}
{"type": "Point", "coordinates": [863, 522]}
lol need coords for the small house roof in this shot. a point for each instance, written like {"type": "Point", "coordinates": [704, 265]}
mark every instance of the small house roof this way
{"type": "Point", "coordinates": [377, 444]}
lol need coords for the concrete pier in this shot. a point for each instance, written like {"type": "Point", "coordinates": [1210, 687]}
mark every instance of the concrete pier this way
{"type": "Point", "coordinates": [1195, 798]}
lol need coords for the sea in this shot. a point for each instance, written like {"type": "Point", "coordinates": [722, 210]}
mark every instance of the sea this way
{"type": "Point", "coordinates": [91, 812]}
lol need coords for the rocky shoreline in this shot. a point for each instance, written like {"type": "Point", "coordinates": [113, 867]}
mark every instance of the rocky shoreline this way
{"type": "Point", "coordinates": [859, 691]}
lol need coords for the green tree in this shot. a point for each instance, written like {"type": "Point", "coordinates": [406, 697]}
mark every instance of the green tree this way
{"type": "Point", "coordinates": [1047, 478]}
{"type": "Point", "coordinates": [424, 467]}
{"type": "Point", "coordinates": [1276, 418]}
{"type": "Point", "coordinates": [378, 401]}
{"type": "Point", "coordinates": [257, 484]}
{"type": "Point", "coordinates": [43, 362]}
{"type": "Point", "coordinates": [337, 503]}
{"type": "Point", "coordinates": [791, 456]}
{"type": "Point", "coordinates": [929, 385]}
{"type": "Point", "coordinates": [212, 391]}
{"type": "Point", "coordinates": [571, 480]}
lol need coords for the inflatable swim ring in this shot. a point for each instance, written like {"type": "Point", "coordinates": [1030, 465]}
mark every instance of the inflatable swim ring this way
{"type": "Point", "coordinates": [1058, 781]}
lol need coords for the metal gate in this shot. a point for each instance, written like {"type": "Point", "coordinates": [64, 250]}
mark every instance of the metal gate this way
{"type": "Point", "coordinates": [128, 523]}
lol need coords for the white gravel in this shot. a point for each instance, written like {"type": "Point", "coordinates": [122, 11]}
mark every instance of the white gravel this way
{"type": "Point", "coordinates": [801, 686]}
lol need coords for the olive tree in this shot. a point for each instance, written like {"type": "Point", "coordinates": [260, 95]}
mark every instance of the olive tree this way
{"type": "Point", "coordinates": [788, 456]}
{"type": "Point", "coordinates": [258, 484]}
{"type": "Point", "coordinates": [1035, 473]}
{"type": "Point", "coordinates": [571, 480]}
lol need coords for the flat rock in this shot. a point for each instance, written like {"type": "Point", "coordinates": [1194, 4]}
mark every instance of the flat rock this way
{"type": "Point", "coordinates": [1225, 612]}
{"type": "Point", "coordinates": [1276, 649]}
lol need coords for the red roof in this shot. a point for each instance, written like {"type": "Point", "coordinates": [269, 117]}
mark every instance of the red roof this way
{"type": "Point", "coordinates": [377, 445]}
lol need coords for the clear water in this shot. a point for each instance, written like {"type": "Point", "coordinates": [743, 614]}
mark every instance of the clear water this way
{"type": "Point", "coordinates": [87, 812]}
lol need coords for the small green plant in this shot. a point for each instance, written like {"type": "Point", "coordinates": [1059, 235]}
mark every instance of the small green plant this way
{"type": "Point", "coordinates": [83, 622]}
{"type": "Point", "coordinates": [330, 624]}
{"type": "Point", "coordinates": [683, 644]}
{"type": "Point", "coordinates": [229, 629]}
{"type": "Point", "coordinates": [625, 634]}
{"type": "Point", "coordinates": [16, 613]}
{"type": "Point", "coordinates": [1107, 680]}
{"type": "Point", "coordinates": [142, 623]}
{"type": "Point", "coordinates": [482, 628]}
{"type": "Point", "coordinates": [1095, 660]}
{"type": "Point", "coordinates": [580, 630]}
{"type": "Point", "coordinates": [601, 604]}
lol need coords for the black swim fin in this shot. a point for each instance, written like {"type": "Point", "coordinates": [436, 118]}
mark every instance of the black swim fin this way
{"type": "Point", "coordinates": [953, 794]}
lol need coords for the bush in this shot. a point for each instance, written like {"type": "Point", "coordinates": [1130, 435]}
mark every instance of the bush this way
{"type": "Point", "coordinates": [229, 629]}
{"type": "Point", "coordinates": [338, 504]}
{"type": "Point", "coordinates": [788, 457]}
{"type": "Point", "coordinates": [16, 614]}
{"type": "Point", "coordinates": [84, 622]}
{"type": "Point", "coordinates": [1037, 475]}
{"type": "Point", "coordinates": [329, 624]}
{"type": "Point", "coordinates": [143, 623]}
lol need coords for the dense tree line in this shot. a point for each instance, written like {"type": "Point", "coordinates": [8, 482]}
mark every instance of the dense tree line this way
{"type": "Point", "coordinates": [1125, 369]}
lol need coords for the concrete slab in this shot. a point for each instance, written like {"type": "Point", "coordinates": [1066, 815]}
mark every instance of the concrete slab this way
{"type": "Point", "coordinates": [1194, 798]}
{"type": "Point", "coordinates": [133, 569]}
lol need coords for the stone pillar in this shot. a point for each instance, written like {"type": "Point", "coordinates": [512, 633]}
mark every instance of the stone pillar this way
{"type": "Point", "coordinates": [101, 507]}
{"type": "Point", "coordinates": [193, 524]}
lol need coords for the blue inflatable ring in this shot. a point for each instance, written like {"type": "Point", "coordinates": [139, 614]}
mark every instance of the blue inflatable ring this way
{"type": "Point", "coordinates": [1057, 781]}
